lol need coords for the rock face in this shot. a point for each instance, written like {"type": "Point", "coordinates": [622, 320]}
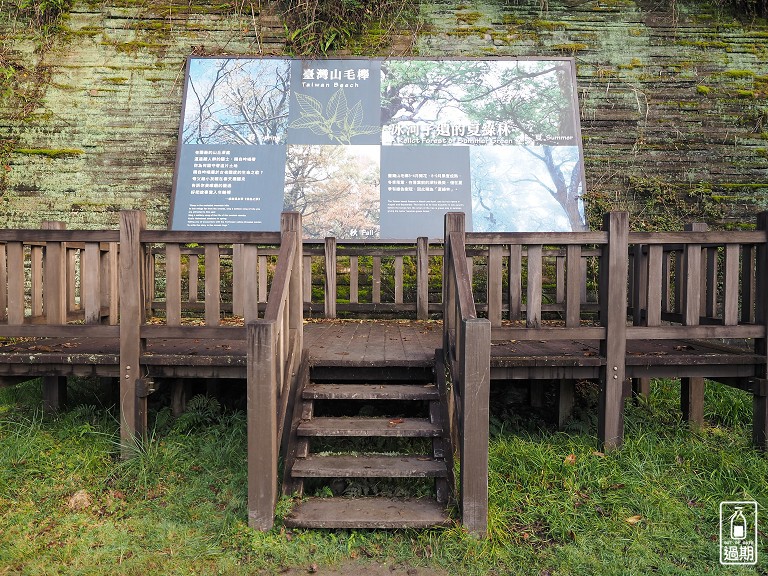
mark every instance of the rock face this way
{"type": "Point", "coordinates": [674, 101]}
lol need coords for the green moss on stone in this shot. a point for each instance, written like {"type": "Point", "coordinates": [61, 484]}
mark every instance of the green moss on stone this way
{"type": "Point", "coordinates": [701, 89]}
{"type": "Point", "coordinates": [468, 17]}
{"type": "Point", "coordinates": [738, 73]}
{"type": "Point", "coordinates": [570, 48]}
{"type": "Point", "coordinates": [53, 154]}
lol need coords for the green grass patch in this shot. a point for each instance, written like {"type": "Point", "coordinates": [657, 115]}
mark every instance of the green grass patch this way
{"type": "Point", "coordinates": [70, 505]}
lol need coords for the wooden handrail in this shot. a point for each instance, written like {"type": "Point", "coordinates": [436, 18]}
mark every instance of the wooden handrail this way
{"type": "Point", "coordinates": [274, 352]}
{"type": "Point", "coordinates": [466, 348]}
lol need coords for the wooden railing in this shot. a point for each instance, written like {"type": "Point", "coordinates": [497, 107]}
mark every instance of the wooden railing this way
{"type": "Point", "coordinates": [467, 347]}
{"type": "Point", "coordinates": [54, 281]}
{"type": "Point", "coordinates": [274, 353]}
{"type": "Point", "coordinates": [693, 284]}
{"type": "Point", "coordinates": [371, 278]}
{"type": "Point", "coordinates": [58, 283]}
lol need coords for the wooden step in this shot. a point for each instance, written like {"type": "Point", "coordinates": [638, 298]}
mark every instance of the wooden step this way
{"type": "Point", "coordinates": [371, 392]}
{"type": "Point", "coordinates": [375, 466]}
{"type": "Point", "coordinates": [391, 427]}
{"type": "Point", "coordinates": [386, 513]}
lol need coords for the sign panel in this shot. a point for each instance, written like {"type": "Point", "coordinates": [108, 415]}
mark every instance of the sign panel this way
{"type": "Point", "coordinates": [379, 148]}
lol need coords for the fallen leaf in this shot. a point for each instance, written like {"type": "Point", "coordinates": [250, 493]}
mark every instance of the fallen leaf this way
{"type": "Point", "coordinates": [80, 500]}
{"type": "Point", "coordinates": [598, 454]}
{"type": "Point", "coordinates": [633, 519]}
{"type": "Point", "coordinates": [570, 459]}
{"type": "Point", "coordinates": [396, 421]}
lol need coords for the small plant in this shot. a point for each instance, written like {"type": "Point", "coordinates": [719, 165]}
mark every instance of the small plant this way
{"type": "Point", "coordinates": [200, 411]}
{"type": "Point", "coordinates": [44, 14]}
{"type": "Point", "coordinates": [314, 28]}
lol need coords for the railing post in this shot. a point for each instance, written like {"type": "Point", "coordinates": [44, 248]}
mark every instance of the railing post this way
{"type": "Point", "coordinates": [330, 277]}
{"type": "Point", "coordinates": [3, 284]}
{"type": "Point", "coordinates": [692, 388]}
{"type": "Point", "coordinates": [290, 223]}
{"type": "Point", "coordinates": [422, 278]}
{"type": "Point", "coordinates": [133, 413]}
{"type": "Point", "coordinates": [454, 222]}
{"type": "Point", "coordinates": [55, 308]}
{"type": "Point", "coordinates": [494, 284]}
{"type": "Point", "coordinates": [475, 377]}
{"type": "Point", "coordinates": [760, 389]}
{"type": "Point", "coordinates": [261, 424]}
{"type": "Point", "coordinates": [613, 315]}
{"type": "Point", "coordinates": [55, 278]}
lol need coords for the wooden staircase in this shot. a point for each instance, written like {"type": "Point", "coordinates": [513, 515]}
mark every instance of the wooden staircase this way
{"type": "Point", "coordinates": [375, 438]}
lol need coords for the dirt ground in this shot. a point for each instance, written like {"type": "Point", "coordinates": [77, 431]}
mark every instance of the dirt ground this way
{"type": "Point", "coordinates": [352, 568]}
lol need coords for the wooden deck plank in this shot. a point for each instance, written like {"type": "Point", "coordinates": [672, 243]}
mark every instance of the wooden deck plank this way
{"type": "Point", "coordinates": [395, 350]}
{"type": "Point", "coordinates": [374, 347]}
{"type": "Point", "coordinates": [384, 513]}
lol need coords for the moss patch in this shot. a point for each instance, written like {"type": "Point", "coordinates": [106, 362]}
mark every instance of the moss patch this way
{"type": "Point", "coordinates": [53, 154]}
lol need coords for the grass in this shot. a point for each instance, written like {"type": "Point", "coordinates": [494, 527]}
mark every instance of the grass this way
{"type": "Point", "coordinates": [68, 505]}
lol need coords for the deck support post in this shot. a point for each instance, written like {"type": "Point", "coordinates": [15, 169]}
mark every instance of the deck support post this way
{"type": "Point", "coordinates": [692, 400]}
{"type": "Point", "coordinates": [760, 392]}
{"type": "Point", "coordinates": [262, 424]}
{"type": "Point", "coordinates": [566, 398]}
{"type": "Point", "coordinates": [133, 410]}
{"type": "Point", "coordinates": [613, 315]}
{"type": "Point", "coordinates": [475, 361]}
{"type": "Point", "coordinates": [54, 393]}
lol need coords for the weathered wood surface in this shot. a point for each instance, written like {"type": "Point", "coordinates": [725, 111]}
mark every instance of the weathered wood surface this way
{"type": "Point", "coordinates": [399, 427]}
{"type": "Point", "coordinates": [363, 466]}
{"type": "Point", "coordinates": [368, 513]}
{"type": "Point", "coordinates": [370, 392]}
{"type": "Point", "coordinates": [372, 342]}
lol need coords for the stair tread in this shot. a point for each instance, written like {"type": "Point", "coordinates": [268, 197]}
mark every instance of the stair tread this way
{"type": "Point", "coordinates": [377, 391]}
{"type": "Point", "coordinates": [406, 427]}
{"type": "Point", "coordinates": [369, 466]}
{"type": "Point", "coordinates": [371, 512]}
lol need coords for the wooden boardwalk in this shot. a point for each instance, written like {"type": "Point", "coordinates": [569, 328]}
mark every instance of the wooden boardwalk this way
{"type": "Point", "coordinates": [612, 306]}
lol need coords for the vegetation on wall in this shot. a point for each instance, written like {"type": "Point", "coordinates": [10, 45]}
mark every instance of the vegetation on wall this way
{"type": "Point", "coordinates": [22, 86]}
{"type": "Point", "coordinates": [42, 14]}
{"type": "Point", "coordinates": [315, 27]}
{"type": "Point", "coordinates": [749, 8]}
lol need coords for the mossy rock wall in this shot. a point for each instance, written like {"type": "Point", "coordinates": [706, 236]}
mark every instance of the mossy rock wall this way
{"type": "Point", "coordinates": [674, 102]}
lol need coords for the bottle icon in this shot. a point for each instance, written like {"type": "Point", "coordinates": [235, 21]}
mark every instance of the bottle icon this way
{"type": "Point", "coordinates": [738, 525]}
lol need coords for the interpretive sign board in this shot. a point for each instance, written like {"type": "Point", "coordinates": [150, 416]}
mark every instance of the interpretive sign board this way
{"type": "Point", "coordinates": [371, 148]}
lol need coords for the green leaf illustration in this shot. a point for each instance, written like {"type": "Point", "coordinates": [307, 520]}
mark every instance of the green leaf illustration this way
{"type": "Point", "coordinates": [309, 105]}
{"type": "Point", "coordinates": [338, 122]}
